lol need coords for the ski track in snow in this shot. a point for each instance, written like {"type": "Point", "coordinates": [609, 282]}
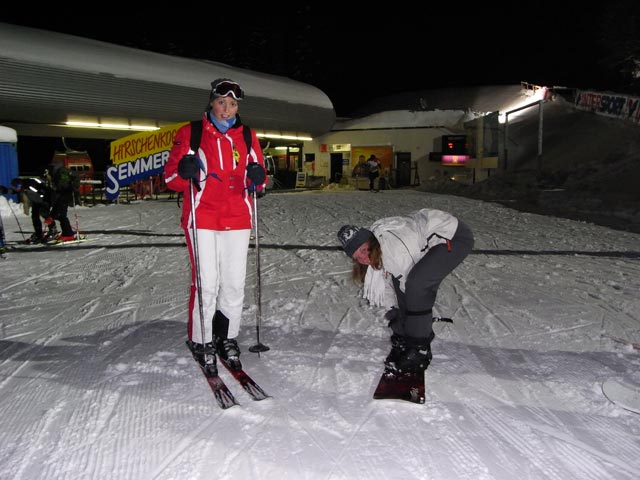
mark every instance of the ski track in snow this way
{"type": "Point", "coordinates": [96, 383]}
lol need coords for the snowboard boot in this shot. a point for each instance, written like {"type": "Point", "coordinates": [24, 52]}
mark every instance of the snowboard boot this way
{"type": "Point", "coordinates": [398, 346]}
{"type": "Point", "coordinates": [416, 356]}
{"type": "Point", "coordinates": [205, 355]}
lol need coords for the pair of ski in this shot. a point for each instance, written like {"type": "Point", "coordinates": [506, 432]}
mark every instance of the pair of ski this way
{"type": "Point", "coordinates": [221, 391]}
{"type": "Point", "coordinates": [56, 241]}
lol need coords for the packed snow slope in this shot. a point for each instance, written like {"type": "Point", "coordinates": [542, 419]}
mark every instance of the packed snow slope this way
{"type": "Point", "coordinates": [96, 381]}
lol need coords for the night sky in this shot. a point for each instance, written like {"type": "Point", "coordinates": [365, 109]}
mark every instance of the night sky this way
{"type": "Point", "coordinates": [355, 59]}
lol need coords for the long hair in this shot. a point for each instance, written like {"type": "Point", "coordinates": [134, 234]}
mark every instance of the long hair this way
{"type": "Point", "coordinates": [359, 270]}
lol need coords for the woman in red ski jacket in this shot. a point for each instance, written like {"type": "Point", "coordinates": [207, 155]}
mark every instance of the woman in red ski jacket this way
{"type": "Point", "coordinates": [222, 173]}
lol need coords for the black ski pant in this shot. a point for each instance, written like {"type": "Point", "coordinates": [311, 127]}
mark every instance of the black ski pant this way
{"type": "Point", "coordinates": [415, 319]}
{"type": "Point", "coordinates": [38, 210]}
{"type": "Point", "coordinates": [59, 212]}
{"type": "Point", "coordinates": [372, 179]}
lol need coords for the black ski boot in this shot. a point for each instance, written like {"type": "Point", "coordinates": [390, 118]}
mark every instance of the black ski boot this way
{"type": "Point", "coordinates": [35, 238]}
{"type": "Point", "coordinates": [205, 355]}
{"type": "Point", "coordinates": [227, 347]}
{"type": "Point", "coordinates": [229, 351]}
{"type": "Point", "coordinates": [52, 234]}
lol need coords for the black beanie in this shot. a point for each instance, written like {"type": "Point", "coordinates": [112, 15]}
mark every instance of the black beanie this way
{"type": "Point", "coordinates": [352, 238]}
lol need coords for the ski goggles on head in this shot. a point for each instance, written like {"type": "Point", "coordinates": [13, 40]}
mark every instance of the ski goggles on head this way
{"type": "Point", "coordinates": [226, 88]}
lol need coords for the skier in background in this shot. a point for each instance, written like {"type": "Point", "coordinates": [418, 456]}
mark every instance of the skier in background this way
{"type": "Point", "coordinates": [39, 195]}
{"type": "Point", "coordinates": [373, 165]}
{"type": "Point", "coordinates": [401, 261]}
{"type": "Point", "coordinates": [61, 181]}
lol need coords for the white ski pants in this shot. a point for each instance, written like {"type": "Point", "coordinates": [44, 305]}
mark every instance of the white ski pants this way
{"type": "Point", "coordinates": [222, 257]}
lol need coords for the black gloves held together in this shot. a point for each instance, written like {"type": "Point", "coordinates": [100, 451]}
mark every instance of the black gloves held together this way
{"type": "Point", "coordinates": [256, 173]}
{"type": "Point", "coordinates": [189, 167]}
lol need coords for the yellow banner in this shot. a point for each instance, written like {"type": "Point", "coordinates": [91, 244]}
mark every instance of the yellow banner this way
{"type": "Point", "coordinates": [143, 144]}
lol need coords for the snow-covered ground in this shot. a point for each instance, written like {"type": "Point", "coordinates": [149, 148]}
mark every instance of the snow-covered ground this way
{"type": "Point", "coordinates": [96, 382]}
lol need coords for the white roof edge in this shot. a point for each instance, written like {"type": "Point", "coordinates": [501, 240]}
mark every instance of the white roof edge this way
{"type": "Point", "coordinates": [82, 54]}
{"type": "Point", "coordinates": [406, 119]}
{"type": "Point", "coordinates": [8, 135]}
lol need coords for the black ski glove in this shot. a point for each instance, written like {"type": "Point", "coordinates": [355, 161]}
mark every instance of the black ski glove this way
{"type": "Point", "coordinates": [395, 315]}
{"type": "Point", "coordinates": [392, 315]}
{"type": "Point", "coordinates": [189, 167]}
{"type": "Point", "coordinates": [256, 173]}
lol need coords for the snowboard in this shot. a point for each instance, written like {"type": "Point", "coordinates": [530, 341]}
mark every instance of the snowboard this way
{"type": "Point", "coordinates": [622, 393]}
{"type": "Point", "coordinates": [400, 386]}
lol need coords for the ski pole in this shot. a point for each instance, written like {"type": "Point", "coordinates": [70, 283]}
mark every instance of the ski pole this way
{"type": "Point", "coordinates": [2, 237]}
{"type": "Point", "coordinates": [196, 259]}
{"type": "Point", "coordinates": [258, 347]}
{"type": "Point", "coordinates": [75, 214]}
{"type": "Point", "coordinates": [18, 221]}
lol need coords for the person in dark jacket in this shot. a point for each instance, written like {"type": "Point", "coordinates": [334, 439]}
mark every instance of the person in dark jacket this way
{"type": "Point", "coordinates": [220, 175]}
{"type": "Point", "coordinates": [373, 167]}
{"type": "Point", "coordinates": [361, 169]}
{"type": "Point", "coordinates": [38, 195]}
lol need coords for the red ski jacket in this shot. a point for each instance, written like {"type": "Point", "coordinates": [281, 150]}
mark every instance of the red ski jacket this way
{"type": "Point", "coordinates": [223, 202]}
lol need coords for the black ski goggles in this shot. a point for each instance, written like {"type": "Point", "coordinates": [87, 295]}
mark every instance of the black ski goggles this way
{"type": "Point", "coordinates": [224, 89]}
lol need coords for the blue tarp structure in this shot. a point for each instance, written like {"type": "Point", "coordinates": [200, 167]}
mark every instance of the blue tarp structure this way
{"type": "Point", "coordinates": [8, 158]}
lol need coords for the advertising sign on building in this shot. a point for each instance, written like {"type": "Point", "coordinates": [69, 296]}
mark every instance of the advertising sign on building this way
{"type": "Point", "coordinates": [138, 157]}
